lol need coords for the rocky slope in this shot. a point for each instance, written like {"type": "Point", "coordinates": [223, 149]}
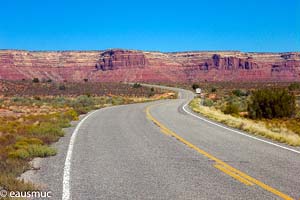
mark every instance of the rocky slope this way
{"type": "Point", "coordinates": [129, 65]}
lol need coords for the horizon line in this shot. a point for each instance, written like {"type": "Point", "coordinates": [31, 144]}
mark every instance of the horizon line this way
{"type": "Point", "coordinates": [168, 52]}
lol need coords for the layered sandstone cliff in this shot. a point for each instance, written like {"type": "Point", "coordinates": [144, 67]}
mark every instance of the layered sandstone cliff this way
{"type": "Point", "coordinates": [128, 65]}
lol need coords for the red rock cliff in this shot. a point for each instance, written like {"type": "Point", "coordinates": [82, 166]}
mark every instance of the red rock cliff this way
{"type": "Point", "coordinates": [128, 65]}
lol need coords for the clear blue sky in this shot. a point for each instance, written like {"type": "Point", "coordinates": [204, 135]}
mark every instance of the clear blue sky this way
{"type": "Point", "coordinates": [164, 25]}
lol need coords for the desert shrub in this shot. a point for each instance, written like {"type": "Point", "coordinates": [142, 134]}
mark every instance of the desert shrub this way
{"type": "Point", "coordinates": [62, 120]}
{"type": "Point", "coordinates": [82, 110]}
{"type": "Point", "coordinates": [84, 101]}
{"type": "Point", "coordinates": [62, 87]}
{"type": "Point", "coordinates": [88, 94]}
{"type": "Point", "coordinates": [25, 142]}
{"type": "Point", "coordinates": [31, 151]}
{"type": "Point", "coordinates": [12, 167]}
{"type": "Point", "coordinates": [37, 98]}
{"type": "Point", "coordinates": [271, 103]}
{"type": "Point", "coordinates": [239, 93]}
{"type": "Point", "coordinates": [294, 86]}
{"type": "Point", "coordinates": [70, 115]}
{"type": "Point", "coordinates": [117, 100]}
{"type": "Point", "coordinates": [102, 100]}
{"type": "Point", "coordinates": [231, 108]}
{"type": "Point", "coordinates": [213, 89]}
{"type": "Point", "coordinates": [35, 80]}
{"type": "Point", "coordinates": [10, 183]}
{"type": "Point", "coordinates": [48, 132]}
{"type": "Point", "coordinates": [20, 100]}
{"type": "Point", "coordinates": [83, 104]}
{"type": "Point", "coordinates": [151, 92]}
{"type": "Point", "coordinates": [297, 115]}
{"type": "Point", "coordinates": [57, 101]}
{"type": "Point", "coordinates": [294, 125]}
{"type": "Point", "coordinates": [29, 148]}
{"type": "Point", "coordinates": [10, 126]}
{"type": "Point", "coordinates": [195, 86]}
{"type": "Point", "coordinates": [208, 102]}
{"type": "Point", "coordinates": [136, 85]}
{"type": "Point", "coordinates": [7, 139]}
{"type": "Point", "coordinates": [40, 151]}
{"type": "Point", "coordinates": [19, 153]}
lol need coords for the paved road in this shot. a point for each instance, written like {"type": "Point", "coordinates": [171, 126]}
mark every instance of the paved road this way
{"type": "Point", "coordinates": [158, 151]}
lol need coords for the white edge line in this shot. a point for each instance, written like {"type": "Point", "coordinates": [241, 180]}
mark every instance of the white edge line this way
{"type": "Point", "coordinates": [67, 167]}
{"type": "Point", "coordinates": [238, 132]}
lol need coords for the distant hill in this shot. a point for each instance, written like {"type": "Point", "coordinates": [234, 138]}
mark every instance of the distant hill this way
{"type": "Point", "coordinates": [133, 66]}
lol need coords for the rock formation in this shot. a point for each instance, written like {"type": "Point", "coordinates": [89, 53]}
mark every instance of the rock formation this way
{"type": "Point", "coordinates": [128, 65]}
{"type": "Point", "coordinates": [121, 59]}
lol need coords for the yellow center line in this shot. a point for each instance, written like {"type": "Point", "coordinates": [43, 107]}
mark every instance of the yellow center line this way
{"type": "Point", "coordinates": [221, 165]}
{"type": "Point", "coordinates": [233, 175]}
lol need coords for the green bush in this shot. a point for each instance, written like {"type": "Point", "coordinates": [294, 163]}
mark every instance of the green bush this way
{"type": "Point", "coordinates": [117, 100]}
{"type": "Point", "coordinates": [48, 132]}
{"type": "Point", "coordinates": [35, 80]}
{"type": "Point", "coordinates": [19, 153]}
{"type": "Point", "coordinates": [83, 104]}
{"type": "Point", "coordinates": [37, 98]}
{"type": "Point", "coordinates": [25, 142]}
{"type": "Point", "coordinates": [30, 151]}
{"type": "Point", "coordinates": [195, 86]}
{"type": "Point", "coordinates": [271, 103]}
{"type": "Point", "coordinates": [58, 101]}
{"type": "Point", "coordinates": [83, 101]}
{"type": "Point", "coordinates": [239, 93]}
{"type": "Point", "coordinates": [137, 85]}
{"type": "Point", "coordinates": [294, 86]}
{"type": "Point", "coordinates": [70, 115]}
{"type": "Point", "coordinates": [40, 151]}
{"type": "Point", "coordinates": [62, 87]}
{"type": "Point", "coordinates": [231, 108]}
{"type": "Point", "coordinates": [208, 102]}
{"type": "Point", "coordinates": [20, 100]}
{"type": "Point", "coordinates": [152, 92]}
{"type": "Point", "coordinates": [213, 89]}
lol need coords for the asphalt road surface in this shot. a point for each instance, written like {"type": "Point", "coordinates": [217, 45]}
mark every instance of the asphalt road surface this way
{"type": "Point", "coordinates": [159, 150]}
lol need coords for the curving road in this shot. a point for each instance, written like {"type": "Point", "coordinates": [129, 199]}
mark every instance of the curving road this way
{"type": "Point", "coordinates": [159, 150]}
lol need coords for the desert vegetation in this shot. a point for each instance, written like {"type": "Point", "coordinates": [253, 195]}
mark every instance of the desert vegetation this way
{"type": "Point", "coordinates": [33, 116]}
{"type": "Point", "coordinates": [271, 110]}
{"type": "Point", "coordinates": [49, 88]}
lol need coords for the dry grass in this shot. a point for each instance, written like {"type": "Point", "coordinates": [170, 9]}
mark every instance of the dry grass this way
{"type": "Point", "coordinates": [280, 134]}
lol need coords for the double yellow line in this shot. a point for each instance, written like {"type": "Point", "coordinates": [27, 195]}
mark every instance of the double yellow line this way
{"type": "Point", "coordinates": [219, 164]}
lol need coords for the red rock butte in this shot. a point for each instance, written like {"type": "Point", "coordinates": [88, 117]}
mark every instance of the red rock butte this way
{"type": "Point", "coordinates": [142, 66]}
